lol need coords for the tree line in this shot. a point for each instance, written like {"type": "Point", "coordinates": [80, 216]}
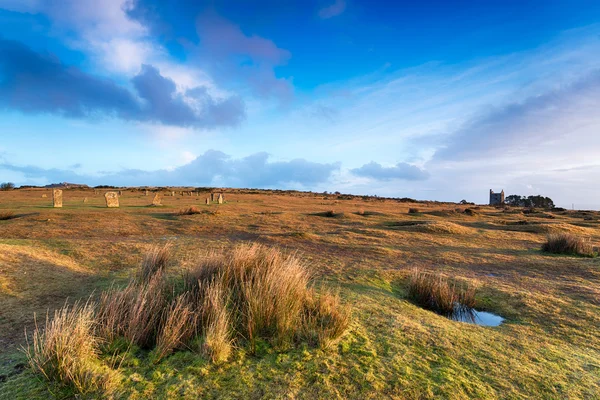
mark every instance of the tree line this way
{"type": "Point", "coordinates": [529, 201]}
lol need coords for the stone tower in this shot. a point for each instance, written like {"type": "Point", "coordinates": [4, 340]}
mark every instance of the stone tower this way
{"type": "Point", "coordinates": [496, 198]}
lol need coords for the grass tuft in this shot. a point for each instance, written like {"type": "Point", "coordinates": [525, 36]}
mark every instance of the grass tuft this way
{"type": "Point", "coordinates": [6, 215]}
{"type": "Point", "coordinates": [66, 351]}
{"type": "Point", "coordinates": [565, 243]}
{"type": "Point", "coordinates": [189, 211]}
{"type": "Point", "coordinates": [437, 293]}
{"type": "Point", "coordinates": [155, 262]}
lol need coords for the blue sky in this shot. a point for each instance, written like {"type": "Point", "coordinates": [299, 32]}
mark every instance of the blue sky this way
{"type": "Point", "coordinates": [437, 100]}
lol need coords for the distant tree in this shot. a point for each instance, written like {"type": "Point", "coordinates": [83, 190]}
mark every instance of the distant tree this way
{"type": "Point", "coordinates": [540, 201]}
{"type": "Point", "coordinates": [537, 201]}
{"type": "Point", "coordinates": [513, 200]}
{"type": "Point", "coordinates": [464, 202]}
{"type": "Point", "coordinates": [7, 186]}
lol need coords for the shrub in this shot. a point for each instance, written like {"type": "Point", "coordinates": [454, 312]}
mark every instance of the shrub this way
{"type": "Point", "coordinates": [7, 186]}
{"type": "Point", "coordinates": [66, 351]}
{"type": "Point", "coordinates": [565, 243]}
{"type": "Point", "coordinates": [189, 211]}
{"type": "Point", "coordinates": [437, 293]}
{"type": "Point", "coordinates": [413, 210]}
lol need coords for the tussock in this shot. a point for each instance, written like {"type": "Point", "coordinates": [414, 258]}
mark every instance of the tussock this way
{"type": "Point", "coordinates": [155, 262]}
{"type": "Point", "coordinates": [229, 298]}
{"type": "Point", "coordinates": [564, 243]}
{"type": "Point", "coordinates": [189, 211]}
{"type": "Point", "coordinates": [6, 215]}
{"type": "Point", "coordinates": [438, 293]}
{"type": "Point", "coordinates": [66, 351]}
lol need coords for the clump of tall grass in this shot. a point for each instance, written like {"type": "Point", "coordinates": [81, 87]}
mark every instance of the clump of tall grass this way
{"type": "Point", "coordinates": [189, 211]}
{"type": "Point", "coordinates": [566, 243]}
{"type": "Point", "coordinates": [155, 261]}
{"type": "Point", "coordinates": [229, 298]}
{"type": "Point", "coordinates": [6, 215]}
{"type": "Point", "coordinates": [438, 293]}
{"type": "Point", "coordinates": [413, 210]}
{"type": "Point", "coordinates": [268, 294]}
{"type": "Point", "coordinates": [67, 350]}
{"type": "Point", "coordinates": [216, 341]}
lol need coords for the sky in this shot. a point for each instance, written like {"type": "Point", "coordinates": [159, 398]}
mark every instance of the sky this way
{"type": "Point", "coordinates": [433, 100]}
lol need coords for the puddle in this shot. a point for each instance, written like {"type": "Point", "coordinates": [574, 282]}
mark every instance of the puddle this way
{"type": "Point", "coordinates": [472, 316]}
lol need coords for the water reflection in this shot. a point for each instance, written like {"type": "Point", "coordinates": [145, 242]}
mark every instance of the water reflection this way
{"type": "Point", "coordinates": [472, 316]}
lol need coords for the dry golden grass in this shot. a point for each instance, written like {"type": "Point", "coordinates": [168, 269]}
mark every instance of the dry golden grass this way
{"type": "Point", "coordinates": [189, 211]}
{"type": "Point", "coordinates": [438, 293]}
{"type": "Point", "coordinates": [6, 215]}
{"type": "Point", "coordinates": [178, 326]}
{"type": "Point", "coordinates": [267, 290]}
{"type": "Point", "coordinates": [155, 262]}
{"type": "Point", "coordinates": [217, 338]}
{"type": "Point", "coordinates": [66, 351]}
{"type": "Point", "coordinates": [565, 243]}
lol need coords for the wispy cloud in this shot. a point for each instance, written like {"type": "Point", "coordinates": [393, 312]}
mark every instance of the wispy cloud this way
{"type": "Point", "coordinates": [333, 10]}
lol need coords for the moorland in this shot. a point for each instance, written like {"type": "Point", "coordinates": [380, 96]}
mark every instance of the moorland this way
{"type": "Point", "coordinates": [364, 248]}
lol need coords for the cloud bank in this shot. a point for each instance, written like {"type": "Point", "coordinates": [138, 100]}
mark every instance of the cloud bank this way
{"type": "Point", "coordinates": [40, 83]}
{"type": "Point", "coordinates": [213, 168]}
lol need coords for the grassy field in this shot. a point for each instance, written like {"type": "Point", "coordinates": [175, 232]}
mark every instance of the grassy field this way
{"type": "Point", "coordinates": [548, 346]}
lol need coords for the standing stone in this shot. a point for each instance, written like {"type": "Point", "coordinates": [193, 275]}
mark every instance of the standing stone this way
{"type": "Point", "coordinates": [120, 193]}
{"type": "Point", "coordinates": [157, 200]}
{"type": "Point", "coordinates": [112, 199]}
{"type": "Point", "coordinates": [173, 194]}
{"type": "Point", "coordinates": [44, 196]}
{"type": "Point", "coordinates": [57, 198]}
{"type": "Point", "coordinates": [95, 192]}
{"type": "Point", "coordinates": [220, 198]}
{"type": "Point", "coordinates": [146, 194]}
{"type": "Point", "coordinates": [208, 201]}
{"type": "Point", "coordinates": [85, 200]}
{"type": "Point", "coordinates": [212, 197]}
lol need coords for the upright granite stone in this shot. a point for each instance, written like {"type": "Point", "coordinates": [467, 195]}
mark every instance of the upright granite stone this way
{"type": "Point", "coordinates": [112, 199]}
{"type": "Point", "coordinates": [157, 200]}
{"type": "Point", "coordinates": [208, 201]}
{"type": "Point", "coordinates": [212, 197]}
{"type": "Point", "coordinates": [120, 193]}
{"type": "Point", "coordinates": [85, 200]}
{"type": "Point", "coordinates": [220, 200]}
{"type": "Point", "coordinates": [173, 194]}
{"type": "Point", "coordinates": [44, 196]}
{"type": "Point", "coordinates": [57, 198]}
{"type": "Point", "coordinates": [146, 194]}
